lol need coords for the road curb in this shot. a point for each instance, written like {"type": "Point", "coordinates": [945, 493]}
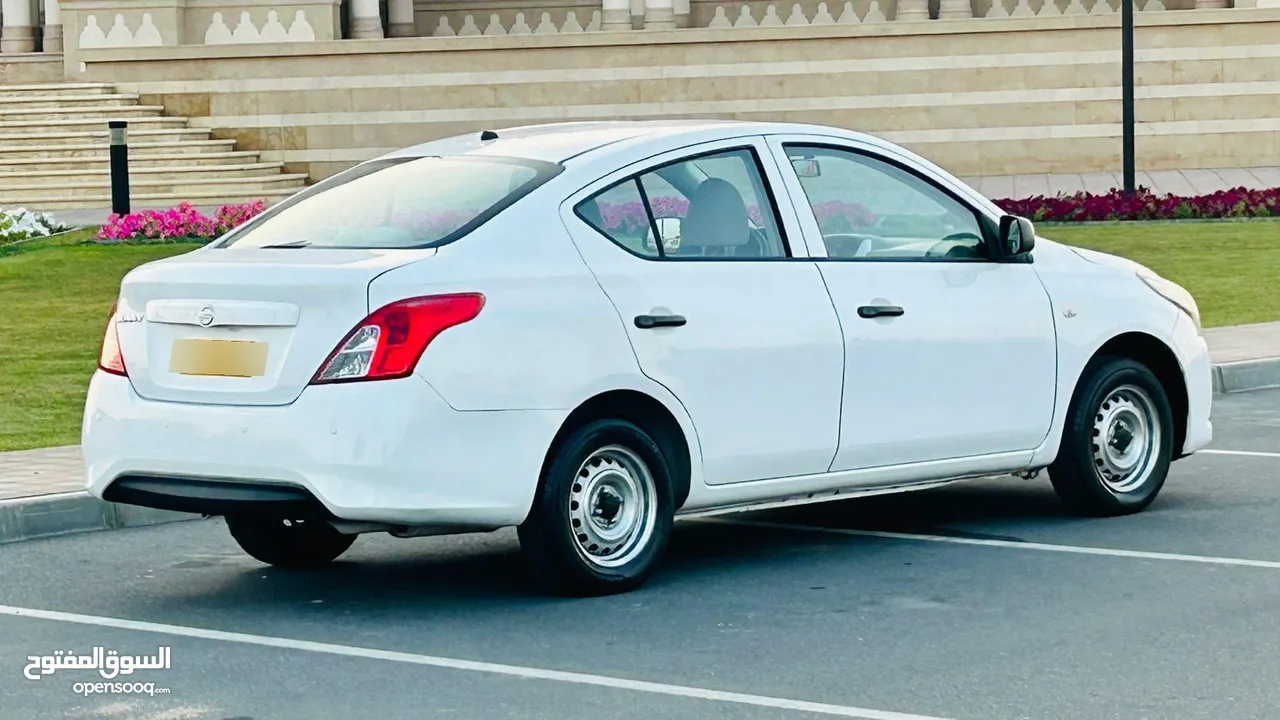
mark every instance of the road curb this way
{"type": "Point", "coordinates": [1246, 375]}
{"type": "Point", "coordinates": [44, 516]}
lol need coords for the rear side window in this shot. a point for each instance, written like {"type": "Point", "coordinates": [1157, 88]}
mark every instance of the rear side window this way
{"type": "Point", "coordinates": [396, 203]}
{"type": "Point", "coordinates": [710, 206]}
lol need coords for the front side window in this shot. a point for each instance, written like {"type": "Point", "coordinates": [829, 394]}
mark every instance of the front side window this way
{"type": "Point", "coordinates": [709, 206]}
{"type": "Point", "coordinates": [871, 209]}
{"type": "Point", "coordinates": [396, 203]}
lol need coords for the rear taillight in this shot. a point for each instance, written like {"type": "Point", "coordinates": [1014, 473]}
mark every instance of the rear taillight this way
{"type": "Point", "coordinates": [389, 343]}
{"type": "Point", "coordinates": [110, 359]}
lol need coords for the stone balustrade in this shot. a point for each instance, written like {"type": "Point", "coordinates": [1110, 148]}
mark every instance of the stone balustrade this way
{"type": "Point", "coordinates": [37, 25]}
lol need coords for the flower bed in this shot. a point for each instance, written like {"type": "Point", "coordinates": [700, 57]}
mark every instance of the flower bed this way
{"type": "Point", "coordinates": [19, 225]}
{"type": "Point", "coordinates": [1146, 205]}
{"type": "Point", "coordinates": [183, 222]}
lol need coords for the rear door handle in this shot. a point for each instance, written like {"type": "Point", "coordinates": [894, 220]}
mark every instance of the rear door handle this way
{"type": "Point", "coordinates": [875, 311]}
{"type": "Point", "coordinates": [646, 322]}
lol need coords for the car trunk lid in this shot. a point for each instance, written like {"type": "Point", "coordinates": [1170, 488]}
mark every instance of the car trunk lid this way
{"type": "Point", "coordinates": [243, 327]}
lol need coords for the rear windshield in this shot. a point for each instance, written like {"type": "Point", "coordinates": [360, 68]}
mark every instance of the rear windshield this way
{"type": "Point", "coordinates": [396, 203]}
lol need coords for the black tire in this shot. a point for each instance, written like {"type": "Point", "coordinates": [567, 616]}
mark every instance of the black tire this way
{"type": "Point", "coordinates": [558, 551]}
{"type": "Point", "coordinates": [1085, 474]}
{"type": "Point", "coordinates": [288, 543]}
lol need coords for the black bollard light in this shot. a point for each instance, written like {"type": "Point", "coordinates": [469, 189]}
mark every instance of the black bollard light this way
{"type": "Point", "coordinates": [1126, 96]}
{"type": "Point", "coordinates": [119, 166]}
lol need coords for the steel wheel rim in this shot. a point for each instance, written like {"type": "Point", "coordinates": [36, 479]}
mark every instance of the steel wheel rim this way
{"type": "Point", "coordinates": [612, 507]}
{"type": "Point", "coordinates": [1126, 438]}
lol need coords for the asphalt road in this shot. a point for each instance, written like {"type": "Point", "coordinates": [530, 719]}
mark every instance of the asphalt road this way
{"type": "Point", "coordinates": [978, 601]}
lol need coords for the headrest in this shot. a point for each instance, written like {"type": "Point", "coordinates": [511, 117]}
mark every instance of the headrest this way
{"type": "Point", "coordinates": [717, 216]}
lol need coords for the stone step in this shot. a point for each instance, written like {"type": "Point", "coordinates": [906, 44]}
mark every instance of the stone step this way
{"type": "Point", "coordinates": [56, 89]}
{"type": "Point", "coordinates": [54, 202]}
{"type": "Point", "coordinates": [98, 138]}
{"type": "Point", "coordinates": [94, 147]}
{"type": "Point", "coordinates": [86, 193]}
{"type": "Point", "coordinates": [99, 161]}
{"type": "Point", "coordinates": [58, 116]}
{"type": "Point", "coordinates": [15, 128]}
{"type": "Point", "coordinates": [56, 101]}
{"type": "Point", "coordinates": [175, 175]}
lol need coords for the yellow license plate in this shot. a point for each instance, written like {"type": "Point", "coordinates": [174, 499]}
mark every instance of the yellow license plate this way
{"type": "Point", "coordinates": [219, 358]}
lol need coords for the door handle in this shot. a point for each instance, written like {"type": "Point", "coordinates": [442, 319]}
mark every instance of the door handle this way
{"type": "Point", "coordinates": [647, 322]}
{"type": "Point", "coordinates": [875, 311]}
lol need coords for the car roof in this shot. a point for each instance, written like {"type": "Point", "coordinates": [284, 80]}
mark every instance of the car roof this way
{"type": "Point", "coordinates": [559, 142]}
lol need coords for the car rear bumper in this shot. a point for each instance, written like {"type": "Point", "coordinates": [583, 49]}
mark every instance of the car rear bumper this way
{"type": "Point", "coordinates": [1197, 369]}
{"type": "Point", "coordinates": [383, 452]}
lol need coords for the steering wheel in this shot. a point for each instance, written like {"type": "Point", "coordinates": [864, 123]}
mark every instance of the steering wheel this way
{"type": "Point", "coordinates": [838, 243]}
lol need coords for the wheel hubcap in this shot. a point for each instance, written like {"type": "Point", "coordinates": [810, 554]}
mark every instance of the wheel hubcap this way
{"type": "Point", "coordinates": [1126, 438]}
{"type": "Point", "coordinates": [611, 507]}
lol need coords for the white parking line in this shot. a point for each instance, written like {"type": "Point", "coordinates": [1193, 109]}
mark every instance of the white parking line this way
{"type": "Point", "coordinates": [455, 664]}
{"type": "Point", "coordinates": [1045, 547]}
{"type": "Point", "coordinates": [1242, 453]}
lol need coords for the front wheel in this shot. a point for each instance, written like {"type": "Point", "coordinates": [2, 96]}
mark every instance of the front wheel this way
{"type": "Point", "coordinates": [603, 513]}
{"type": "Point", "coordinates": [288, 543]}
{"type": "Point", "coordinates": [1117, 442]}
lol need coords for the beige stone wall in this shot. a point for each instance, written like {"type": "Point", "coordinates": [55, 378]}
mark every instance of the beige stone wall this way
{"type": "Point", "coordinates": [434, 18]}
{"type": "Point", "coordinates": [705, 12]}
{"type": "Point", "coordinates": [980, 97]}
{"type": "Point", "coordinates": [29, 70]}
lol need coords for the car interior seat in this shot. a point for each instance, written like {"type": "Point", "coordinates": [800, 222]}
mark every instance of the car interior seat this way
{"type": "Point", "coordinates": [717, 220]}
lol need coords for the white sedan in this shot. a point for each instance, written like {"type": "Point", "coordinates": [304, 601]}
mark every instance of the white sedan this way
{"type": "Point", "coordinates": [588, 330]}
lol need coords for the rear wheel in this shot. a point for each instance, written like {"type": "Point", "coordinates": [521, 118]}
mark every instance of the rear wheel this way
{"type": "Point", "coordinates": [1117, 442]}
{"type": "Point", "coordinates": [603, 513]}
{"type": "Point", "coordinates": [288, 543]}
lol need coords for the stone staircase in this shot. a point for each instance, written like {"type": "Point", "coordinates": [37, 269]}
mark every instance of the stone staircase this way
{"type": "Point", "coordinates": [53, 154]}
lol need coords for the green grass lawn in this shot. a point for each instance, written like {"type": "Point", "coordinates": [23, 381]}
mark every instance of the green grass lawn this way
{"type": "Point", "coordinates": [55, 297]}
{"type": "Point", "coordinates": [1231, 268]}
{"type": "Point", "coordinates": [55, 301]}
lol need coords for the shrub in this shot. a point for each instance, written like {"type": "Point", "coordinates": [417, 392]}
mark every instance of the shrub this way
{"type": "Point", "coordinates": [183, 222]}
{"type": "Point", "coordinates": [1146, 205]}
{"type": "Point", "coordinates": [19, 225]}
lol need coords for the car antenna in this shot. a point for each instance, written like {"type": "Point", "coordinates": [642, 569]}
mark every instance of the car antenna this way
{"type": "Point", "coordinates": [488, 135]}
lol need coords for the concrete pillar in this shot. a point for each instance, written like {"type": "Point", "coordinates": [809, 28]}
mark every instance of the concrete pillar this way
{"type": "Point", "coordinates": [659, 15]}
{"type": "Point", "coordinates": [912, 10]}
{"type": "Point", "coordinates": [615, 15]}
{"type": "Point", "coordinates": [366, 19]}
{"type": "Point", "coordinates": [402, 23]}
{"type": "Point", "coordinates": [955, 10]}
{"type": "Point", "coordinates": [682, 12]}
{"type": "Point", "coordinates": [18, 33]}
{"type": "Point", "coordinates": [52, 27]}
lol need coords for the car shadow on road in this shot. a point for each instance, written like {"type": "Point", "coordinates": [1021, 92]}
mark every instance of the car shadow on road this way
{"type": "Point", "coordinates": [484, 573]}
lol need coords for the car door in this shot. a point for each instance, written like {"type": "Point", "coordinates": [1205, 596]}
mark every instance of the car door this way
{"type": "Point", "coordinates": [948, 354]}
{"type": "Point", "coordinates": [717, 307]}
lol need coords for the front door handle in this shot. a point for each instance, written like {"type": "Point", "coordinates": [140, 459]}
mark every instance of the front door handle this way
{"type": "Point", "coordinates": [647, 322]}
{"type": "Point", "coordinates": [875, 311]}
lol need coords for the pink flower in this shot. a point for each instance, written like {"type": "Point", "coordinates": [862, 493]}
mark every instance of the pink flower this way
{"type": "Point", "coordinates": [1146, 205]}
{"type": "Point", "coordinates": [182, 222]}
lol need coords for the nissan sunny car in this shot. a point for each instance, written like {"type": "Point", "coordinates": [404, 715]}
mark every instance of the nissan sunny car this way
{"type": "Point", "coordinates": [589, 330]}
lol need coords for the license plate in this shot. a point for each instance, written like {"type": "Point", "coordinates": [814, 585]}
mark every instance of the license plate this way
{"type": "Point", "coordinates": [218, 358]}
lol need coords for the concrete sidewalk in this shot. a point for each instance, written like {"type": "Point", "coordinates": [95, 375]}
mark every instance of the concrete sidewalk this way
{"type": "Point", "coordinates": [41, 490]}
{"type": "Point", "coordinates": [1182, 183]}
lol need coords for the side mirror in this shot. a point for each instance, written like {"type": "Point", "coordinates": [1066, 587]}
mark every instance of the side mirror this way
{"type": "Point", "coordinates": [806, 167]}
{"type": "Point", "coordinates": [669, 229]}
{"type": "Point", "coordinates": [1017, 236]}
